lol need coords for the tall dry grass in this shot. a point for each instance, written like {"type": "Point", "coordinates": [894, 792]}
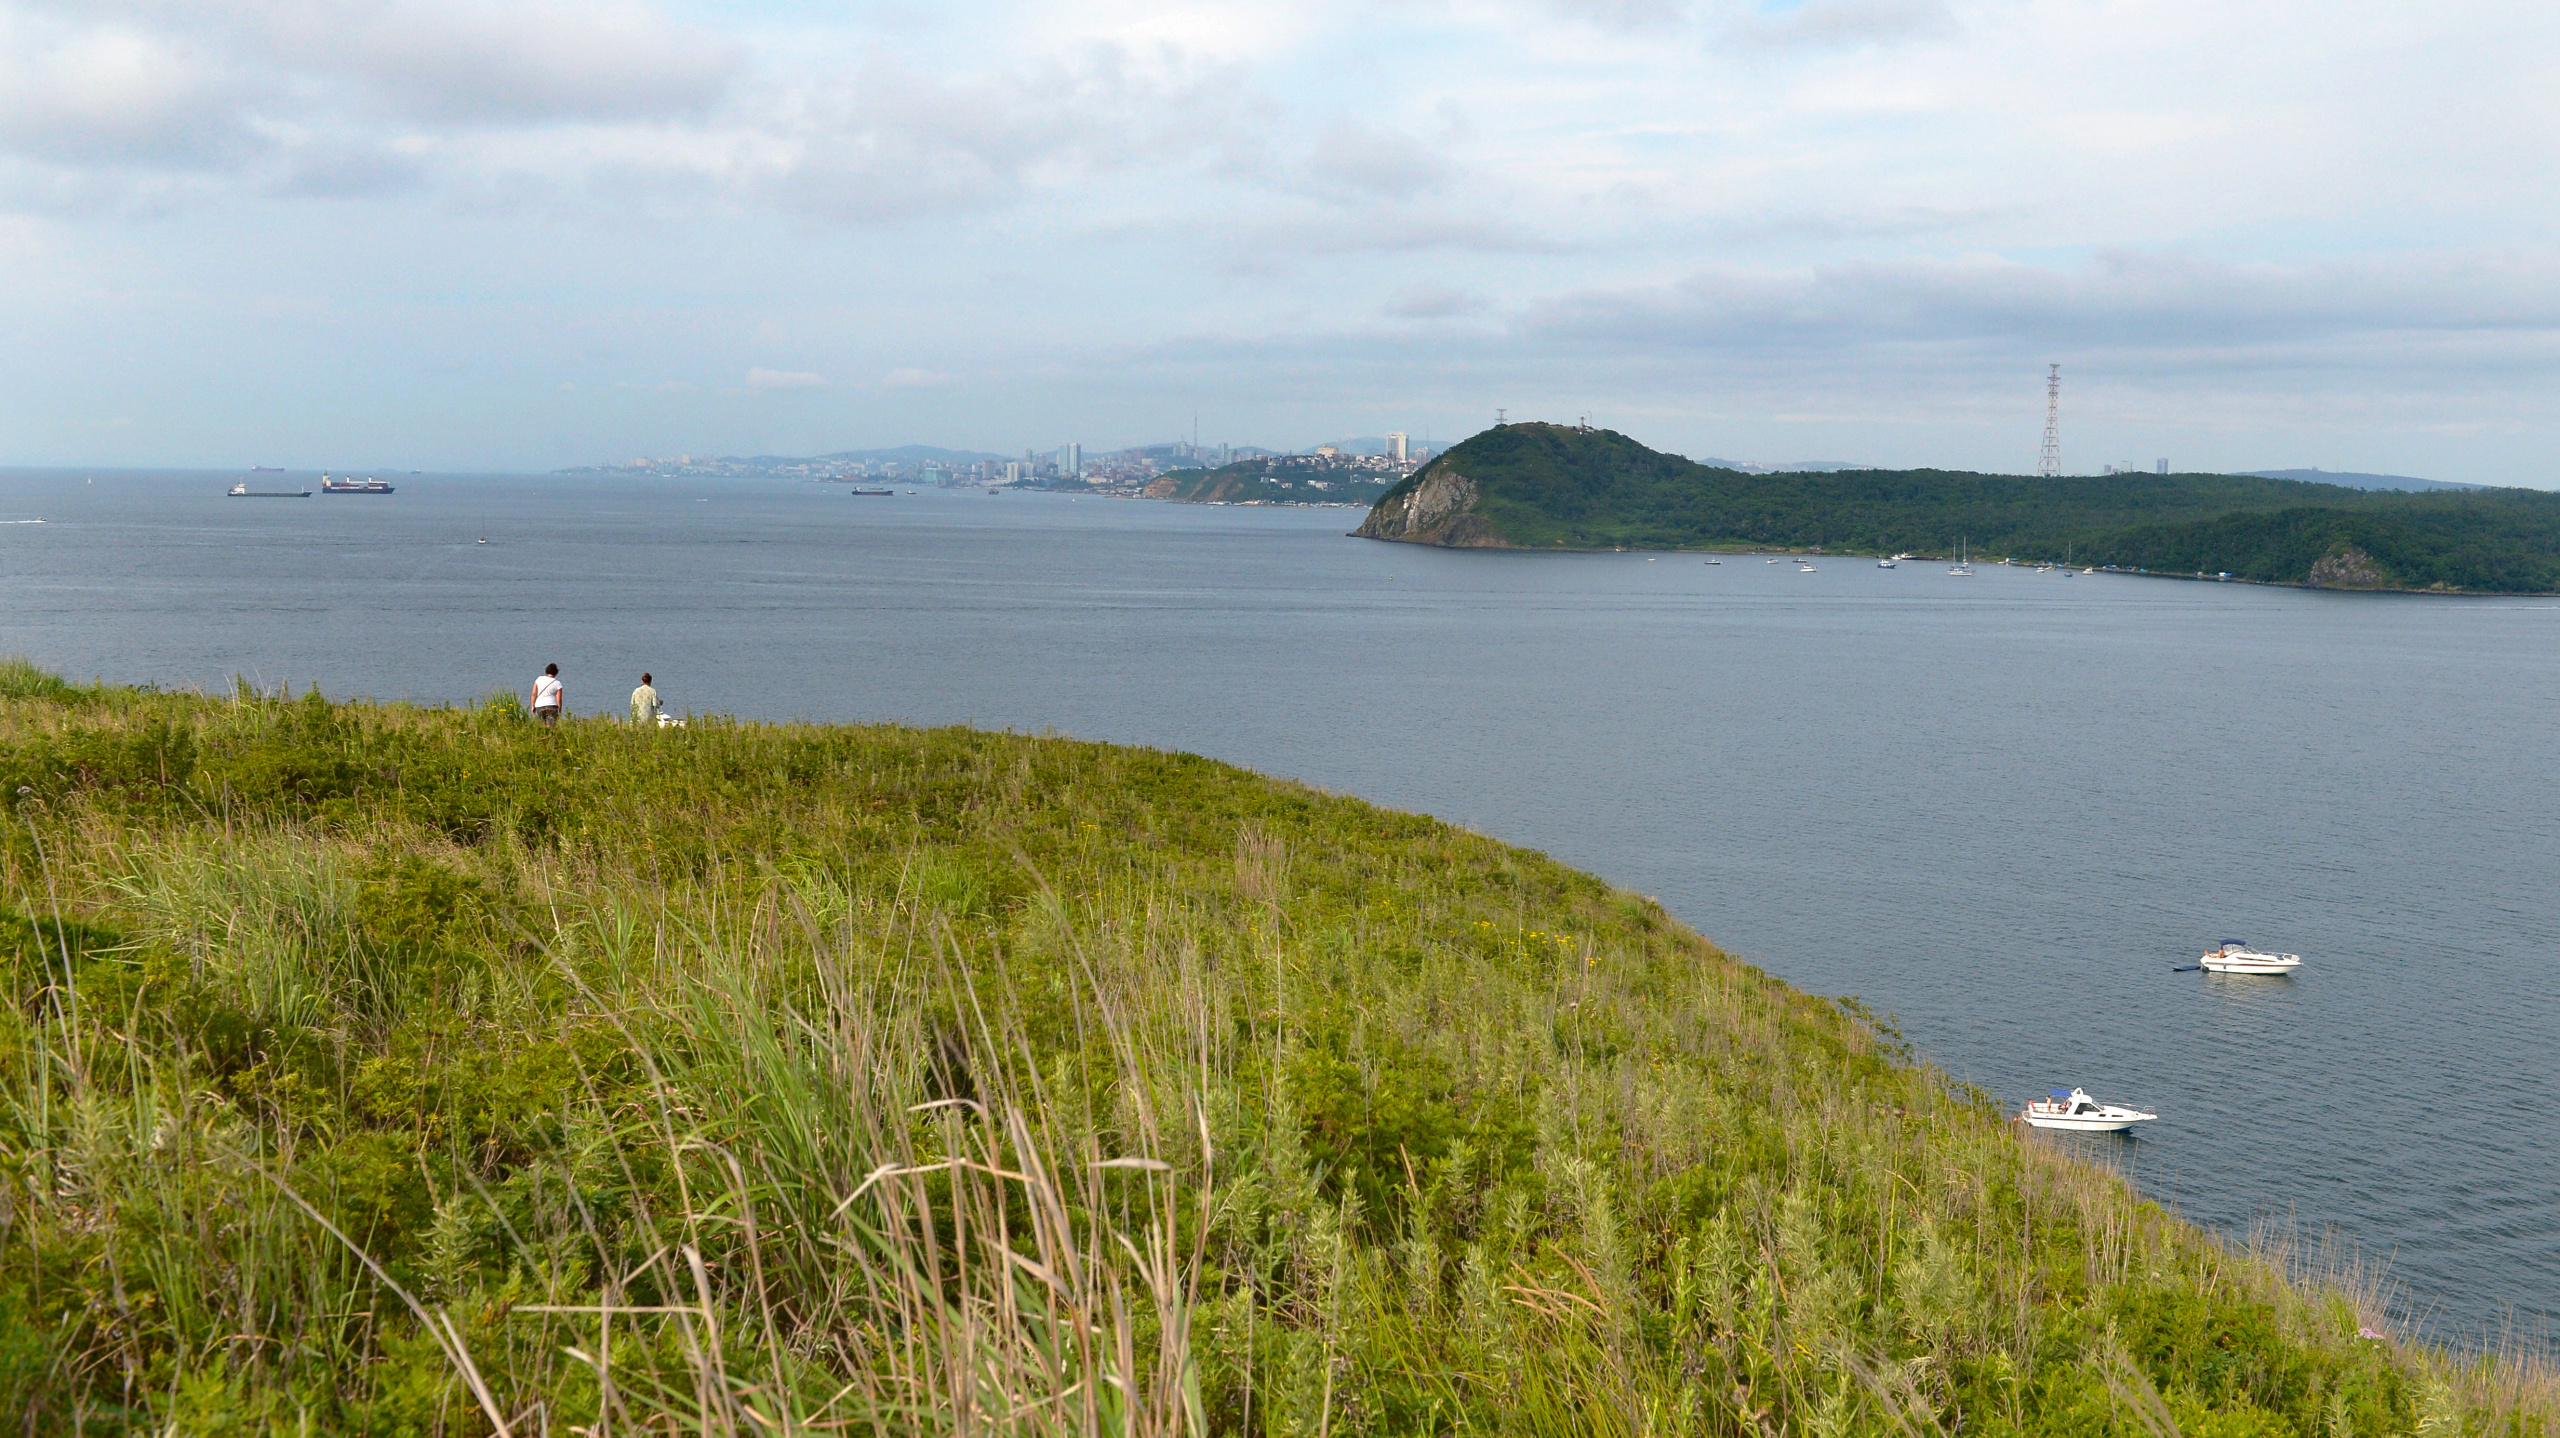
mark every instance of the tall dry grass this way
{"type": "Point", "coordinates": [817, 1081]}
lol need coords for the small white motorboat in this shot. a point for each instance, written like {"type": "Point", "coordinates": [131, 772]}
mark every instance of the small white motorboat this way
{"type": "Point", "coordinates": [1887, 563]}
{"type": "Point", "coordinates": [2076, 1112]}
{"type": "Point", "coordinates": [2235, 957]}
{"type": "Point", "coordinates": [1804, 567]}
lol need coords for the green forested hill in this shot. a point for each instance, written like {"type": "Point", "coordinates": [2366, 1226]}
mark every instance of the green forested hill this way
{"type": "Point", "coordinates": [1274, 479]}
{"type": "Point", "coordinates": [1541, 486]}
{"type": "Point", "coordinates": [371, 1069]}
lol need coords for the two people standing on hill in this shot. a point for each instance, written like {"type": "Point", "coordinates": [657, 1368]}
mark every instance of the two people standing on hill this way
{"type": "Point", "coordinates": [647, 709]}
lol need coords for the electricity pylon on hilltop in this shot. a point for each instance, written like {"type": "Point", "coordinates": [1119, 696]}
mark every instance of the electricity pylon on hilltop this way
{"type": "Point", "coordinates": [2049, 464]}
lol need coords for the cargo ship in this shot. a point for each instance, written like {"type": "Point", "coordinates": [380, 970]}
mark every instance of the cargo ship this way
{"type": "Point", "coordinates": [242, 491]}
{"type": "Point", "coordinates": [352, 486]}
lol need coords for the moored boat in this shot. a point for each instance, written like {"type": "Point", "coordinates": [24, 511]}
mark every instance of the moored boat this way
{"type": "Point", "coordinates": [2236, 957]}
{"type": "Point", "coordinates": [2074, 1111]}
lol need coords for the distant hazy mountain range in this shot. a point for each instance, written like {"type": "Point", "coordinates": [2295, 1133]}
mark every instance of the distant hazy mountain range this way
{"type": "Point", "coordinates": [785, 464]}
{"type": "Point", "coordinates": [1801, 466]}
{"type": "Point", "coordinates": [2360, 481]}
{"type": "Point", "coordinates": [903, 454]}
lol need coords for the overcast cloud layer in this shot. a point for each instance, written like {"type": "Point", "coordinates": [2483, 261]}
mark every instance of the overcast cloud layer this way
{"type": "Point", "coordinates": [352, 233]}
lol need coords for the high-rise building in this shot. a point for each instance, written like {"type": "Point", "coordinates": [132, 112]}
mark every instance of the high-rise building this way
{"type": "Point", "coordinates": [1396, 444]}
{"type": "Point", "coordinates": [1071, 461]}
{"type": "Point", "coordinates": [2164, 467]}
{"type": "Point", "coordinates": [1013, 471]}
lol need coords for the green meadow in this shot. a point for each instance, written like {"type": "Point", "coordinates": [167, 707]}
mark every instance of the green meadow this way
{"type": "Point", "coordinates": [373, 1069]}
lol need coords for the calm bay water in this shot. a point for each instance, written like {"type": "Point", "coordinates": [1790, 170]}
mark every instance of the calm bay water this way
{"type": "Point", "coordinates": [2001, 807]}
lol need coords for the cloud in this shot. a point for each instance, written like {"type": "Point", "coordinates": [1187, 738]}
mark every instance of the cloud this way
{"type": "Point", "coordinates": [1804, 198]}
{"type": "Point", "coordinates": [326, 170]}
{"type": "Point", "coordinates": [1830, 24]}
{"type": "Point", "coordinates": [761, 380]}
{"type": "Point", "coordinates": [2157, 313]}
{"type": "Point", "coordinates": [892, 142]}
{"type": "Point", "coordinates": [1360, 161]}
{"type": "Point", "coordinates": [525, 60]}
{"type": "Point", "coordinates": [1624, 15]}
{"type": "Point", "coordinates": [321, 97]}
{"type": "Point", "coordinates": [1433, 302]}
{"type": "Point", "coordinates": [74, 95]}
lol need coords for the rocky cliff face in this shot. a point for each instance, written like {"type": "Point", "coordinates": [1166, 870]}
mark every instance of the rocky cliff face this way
{"type": "Point", "coordinates": [2349, 568]}
{"type": "Point", "coordinates": [1435, 511]}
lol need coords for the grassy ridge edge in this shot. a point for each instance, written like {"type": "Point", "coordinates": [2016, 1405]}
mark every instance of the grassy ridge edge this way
{"type": "Point", "coordinates": [393, 1070]}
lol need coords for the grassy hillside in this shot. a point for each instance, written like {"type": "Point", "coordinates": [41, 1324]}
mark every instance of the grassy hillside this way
{"type": "Point", "coordinates": [1279, 479]}
{"type": "Point", "coordinates": [371, 1069]}
{"type": "Point", "coordinates": [1542, 486]}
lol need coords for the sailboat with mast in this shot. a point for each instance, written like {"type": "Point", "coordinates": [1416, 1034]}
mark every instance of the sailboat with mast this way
{"type": "Point", "coordinates": [1964, 558]}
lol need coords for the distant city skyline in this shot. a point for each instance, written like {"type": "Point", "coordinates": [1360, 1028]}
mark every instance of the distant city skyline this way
{"type": "Point", "coordinates": [525, 237]}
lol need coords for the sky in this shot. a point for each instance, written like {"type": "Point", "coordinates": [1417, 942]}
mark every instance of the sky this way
{"type": "Point", "coordinates": [465, 234]}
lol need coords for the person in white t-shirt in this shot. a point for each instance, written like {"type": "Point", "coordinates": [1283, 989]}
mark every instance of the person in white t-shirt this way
{"type": "Point", "coordinates": [546, 696]}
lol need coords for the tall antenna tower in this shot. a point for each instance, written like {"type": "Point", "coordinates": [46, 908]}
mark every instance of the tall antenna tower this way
{"type": "Point", "coordinates": [2049, 464]}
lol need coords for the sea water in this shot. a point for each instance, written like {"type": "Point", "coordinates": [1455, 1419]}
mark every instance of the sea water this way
{"type": "Point", "coordinates": [2001, 808]}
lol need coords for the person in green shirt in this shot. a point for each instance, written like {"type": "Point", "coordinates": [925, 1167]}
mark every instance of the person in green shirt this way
{"type": "Point", "coordinates": [644, 704]}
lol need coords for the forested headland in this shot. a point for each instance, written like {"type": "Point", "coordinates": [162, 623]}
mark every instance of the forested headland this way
{"type": "Point", "coordinates": [376, 1069]}
{"type": "Point", "coordinates": [1547, 486]}
{"type": "Point", "coordinates": [1272, 479]}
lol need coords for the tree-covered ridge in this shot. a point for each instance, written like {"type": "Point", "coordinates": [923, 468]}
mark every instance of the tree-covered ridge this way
{"type": "Point", "coordinates": [1544, 486]}
{"type": "Point", "coordinates": [1272, 479]}
{"type": "Point", "coordinates": [374, 1069]}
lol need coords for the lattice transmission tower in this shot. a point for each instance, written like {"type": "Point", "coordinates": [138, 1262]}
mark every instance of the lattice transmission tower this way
{"type": "Point", "coordinates": [2049, 464]}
